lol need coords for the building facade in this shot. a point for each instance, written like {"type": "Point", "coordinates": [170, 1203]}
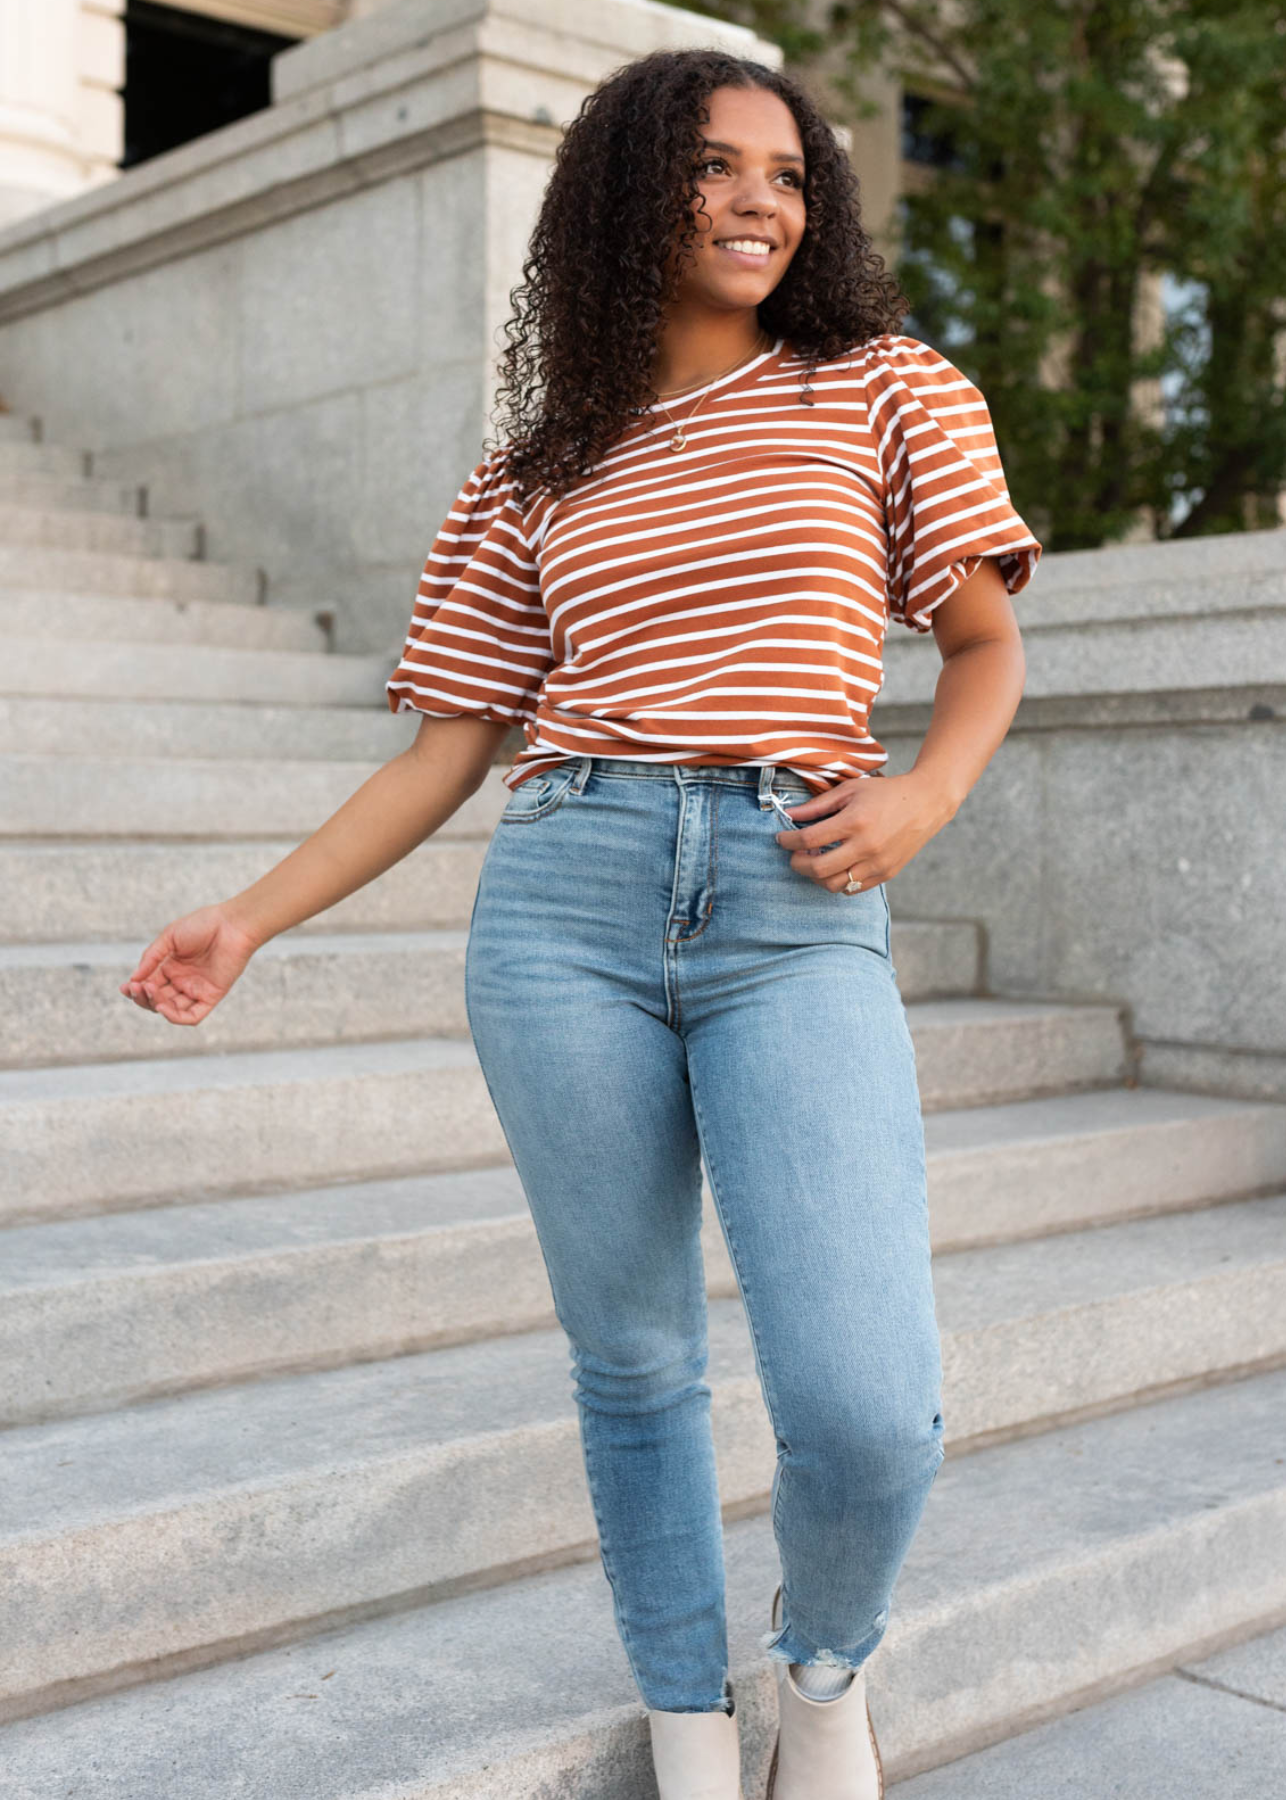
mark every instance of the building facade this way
{"type": "Point", "coordinates": [63, 77]}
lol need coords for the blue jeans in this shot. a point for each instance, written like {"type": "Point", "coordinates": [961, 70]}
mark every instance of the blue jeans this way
{"type": "Point", "coordinates": [649, 981]}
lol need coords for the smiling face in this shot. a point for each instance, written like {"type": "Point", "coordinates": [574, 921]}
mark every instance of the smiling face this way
{"type": "Point", "coordinates": [751, 215]}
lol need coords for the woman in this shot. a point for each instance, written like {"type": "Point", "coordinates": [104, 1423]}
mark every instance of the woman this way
{"type": "Point", "coordinates": [724, 472]}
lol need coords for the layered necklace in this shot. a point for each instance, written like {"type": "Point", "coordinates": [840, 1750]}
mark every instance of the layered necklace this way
{"type": "Point", "coordinates": [679, 441]}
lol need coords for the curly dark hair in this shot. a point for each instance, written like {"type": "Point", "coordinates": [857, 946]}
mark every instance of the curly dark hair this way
{"type": "Point", "coordinates": [594, 292]}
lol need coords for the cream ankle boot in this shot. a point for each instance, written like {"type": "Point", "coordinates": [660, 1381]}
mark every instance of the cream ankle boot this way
{"type": "Point", "coordinates": [697, 1756]}
{"type": "Point", "coordinates": [826, 1749]}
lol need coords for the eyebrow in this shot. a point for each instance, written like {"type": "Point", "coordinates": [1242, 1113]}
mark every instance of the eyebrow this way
{"type": "Point", "coordinates": [734, 150]}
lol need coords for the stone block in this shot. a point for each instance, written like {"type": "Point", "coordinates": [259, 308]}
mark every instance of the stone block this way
{"type": "Point", "coordinates": [329, 300]}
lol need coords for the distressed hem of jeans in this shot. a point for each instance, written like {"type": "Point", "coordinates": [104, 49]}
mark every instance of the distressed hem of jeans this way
{"type": "Point", "coordinates": [727, 1705]}
{"type": "Point", "coordinates": [783, 1646]}
{"type": "Point", "coordinates": [723, 1706]}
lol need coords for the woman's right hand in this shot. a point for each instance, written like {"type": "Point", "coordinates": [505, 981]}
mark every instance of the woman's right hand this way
{"type": "Point", "coordinates": [185, 973]}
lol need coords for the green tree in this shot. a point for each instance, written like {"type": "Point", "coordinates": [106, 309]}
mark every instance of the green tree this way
{"type": "Point", "coordinates": [1085, 155]}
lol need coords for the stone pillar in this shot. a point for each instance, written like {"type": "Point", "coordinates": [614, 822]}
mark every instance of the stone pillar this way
{"type": "Point", "coordinates": [61, 63]}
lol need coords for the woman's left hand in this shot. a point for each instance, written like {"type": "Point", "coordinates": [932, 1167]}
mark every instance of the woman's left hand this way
{"type": "Point", "coordinates": [875, 823]}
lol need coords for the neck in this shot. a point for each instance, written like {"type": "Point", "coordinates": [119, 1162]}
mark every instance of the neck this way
{"type": "Point", "coordinates": [692, 351]}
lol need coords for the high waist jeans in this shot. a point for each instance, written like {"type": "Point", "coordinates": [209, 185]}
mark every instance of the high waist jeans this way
{"type": "Point", "coordinates": [648, 983]}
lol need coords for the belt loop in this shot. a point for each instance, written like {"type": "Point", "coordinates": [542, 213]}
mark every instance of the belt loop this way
{"type": "Point", "coordinates": [583, 766]}
{"type": "Point", "coordinates": [766, 773]}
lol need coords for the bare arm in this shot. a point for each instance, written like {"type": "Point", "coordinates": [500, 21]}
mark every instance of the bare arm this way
{"type": "Point", "coordinates": [392, 812]}
{"type": "Point", "coordinates": [984, 667]}
{"type": "Point", "coordinates": [878, 826]}
{"type": "Point", "coordinates": [196, 959]}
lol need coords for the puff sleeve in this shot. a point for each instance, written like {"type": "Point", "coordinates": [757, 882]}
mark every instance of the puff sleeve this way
{"type": "Point", "coordinates": [479, 636]}
{"type": "Point", "coordinates": [946, 504]}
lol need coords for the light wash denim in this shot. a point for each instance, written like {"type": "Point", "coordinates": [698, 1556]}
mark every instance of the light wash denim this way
{"type": "Point", "coordinates": [648, 982]}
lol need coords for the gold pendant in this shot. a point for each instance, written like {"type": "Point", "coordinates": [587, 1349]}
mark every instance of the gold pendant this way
{"type": "Point", "coordinates": [678, 441]}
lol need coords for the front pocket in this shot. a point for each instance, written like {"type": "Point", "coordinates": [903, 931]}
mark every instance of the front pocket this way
{"type": "Point", "coordinates": [537, 797]}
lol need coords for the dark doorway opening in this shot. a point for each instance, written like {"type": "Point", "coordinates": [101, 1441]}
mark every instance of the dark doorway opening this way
{"type": "Point", "coordinates": [186, 75]}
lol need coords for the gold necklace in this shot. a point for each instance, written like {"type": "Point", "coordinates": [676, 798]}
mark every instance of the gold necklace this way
{"type": "Point", "coordinates": [679, 441]}
{"type": "Point", "coordinates": [704, 381]}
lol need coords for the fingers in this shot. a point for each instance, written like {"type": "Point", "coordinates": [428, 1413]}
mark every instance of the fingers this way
{"type": "Point", "coordinates": [178, 997]}
{"type": "Point", "coordinates": [830, 858]}
{"type": "Point", "coordinates": [835, 866]}
{"type": "Point", "coordinates": [155, 954]}
{"type": "Point", "coordinates": [140, 994]}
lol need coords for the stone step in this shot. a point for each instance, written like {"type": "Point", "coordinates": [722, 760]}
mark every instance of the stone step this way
{"type": "Point", "coordinates": [17, 428]}
{"type": "Point", "coordinates": [34, 725]}
{"type": "Point", "coordinates": [128, 890]}
{"type": "Point", "coordinates": [88, 1138]}
{"type": "Point", "coordinates": [69, 796]}
{"type": "Point", "coordinates": [1126, 656]}
{"type": "Point", "coordinates": [1213, 1729]}
{"type": "Point", "coordinates": [59, 1003]}
{"type": "Point", "coordinates": [227, 1515]}
{"type": "Point", "coordinates": [106, 1311]}
{"type": "Point", "coordinates": [1072, 596]}
{"type": "Point", "coordinates": [1156, 1518]}
{"type": "Point", "coordinates": [94, 1137]}
{"type": "Point", "coordinates": [32, 527]}
{"type": "Point", "coordinates": [1210, 560]}
{"type": "Point", "coordinates": [90, 619]}
{"type": "Point", "coordinates": [135, 577]}
{"type": "Point", "coordinates": [135, 671]}
{"type": "Point", "coordinates": [58, 493]}
{"type": "Point", "coordinates": [20, 459]}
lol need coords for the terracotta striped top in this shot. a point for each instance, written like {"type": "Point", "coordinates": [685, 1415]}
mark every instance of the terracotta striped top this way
{"type": "Point", "coordinates": [726, 603]}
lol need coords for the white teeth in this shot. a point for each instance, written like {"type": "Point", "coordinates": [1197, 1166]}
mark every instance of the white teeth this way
{"type": "Point", "coordinates": [747, 245]}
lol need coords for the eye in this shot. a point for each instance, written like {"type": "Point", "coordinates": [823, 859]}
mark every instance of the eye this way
{"type": "Point", "coordinates": [720, 162]}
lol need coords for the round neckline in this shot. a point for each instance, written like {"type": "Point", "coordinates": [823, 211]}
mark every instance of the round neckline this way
{"type": "Point", "coordinates": [729, 381]}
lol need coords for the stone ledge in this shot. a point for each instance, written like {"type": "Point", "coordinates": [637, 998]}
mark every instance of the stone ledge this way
{"type": "Point", "coordinates": [1169, 709]}
{"type": "Point", "coordinates": [631, 26]}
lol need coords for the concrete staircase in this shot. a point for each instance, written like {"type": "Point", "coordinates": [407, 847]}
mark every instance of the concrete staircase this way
{"type": "Point", "coordinates": [292, 1503]}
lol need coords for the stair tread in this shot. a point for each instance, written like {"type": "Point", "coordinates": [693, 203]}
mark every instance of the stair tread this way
{"type": "Point", "coordinates": [1195, 1732]}
{"type": "Point", "coordinates": [78, 566]}
{"type": "Point", "coordinates": [246, 1227]}
{"type": "Point", "coordinates": [27, 525]}
{"type": "Point", "coordinates": [107, 954]}
{"type": "Point", "coordinates": [166, 1452]}
{"type": "Point", "coordinates": [404, 1706]}
{"type": "Point", "coordinates": [70, 493]}
{"type": "Point", "coordinates": [190, 624]}
{"type": "Point", "coordinates": [1037, 1277]}
{"type": "Point", "coordinates": [233, 1068]}
{"type": "Point", "coordinates": [61, 660]}
{"type": "Point", "coordinates": [260, 1067]}
{"type": "Point", "coordinates": [46, 667]}
{"type": "Point", "coordinates": [74, 1250]}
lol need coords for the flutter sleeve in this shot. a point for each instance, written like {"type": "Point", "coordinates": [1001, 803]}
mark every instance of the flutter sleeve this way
{"type": "Point", "coordinates": [946, 502]}
{"type": "Point", "coordinates": [479, 636]}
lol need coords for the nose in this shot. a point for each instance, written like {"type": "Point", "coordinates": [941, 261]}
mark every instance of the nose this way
{"type": "Point", "coordinates": [755, 193]}
{"type": "Point", "coordinates": [756, 197]}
